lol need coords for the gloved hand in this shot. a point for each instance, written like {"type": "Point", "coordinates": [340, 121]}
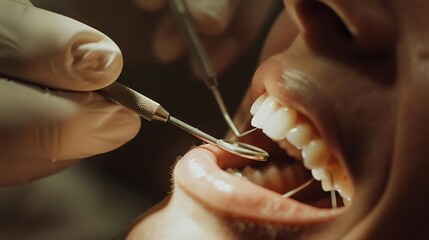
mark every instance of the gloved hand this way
{"type": "Point", "coordinates": [41, 128]}
{"type": "Point", "coordinates": [227, 27]}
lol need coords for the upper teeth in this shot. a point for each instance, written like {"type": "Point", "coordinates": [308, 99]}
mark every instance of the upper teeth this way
{"type": "Point", "coordinates": [282, 123]}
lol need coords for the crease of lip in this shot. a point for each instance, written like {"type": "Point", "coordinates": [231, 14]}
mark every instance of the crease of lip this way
{"type": "Point", "coordinates": [200, 175]}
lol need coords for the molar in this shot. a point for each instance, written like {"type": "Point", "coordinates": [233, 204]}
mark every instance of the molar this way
{"type": "Point", "coordinates": [274, 178]}
{"type": "Point", "coordinates": [324, 177]}
{"type": "Point", "coordinates": [327, 184]}
{"type": "Point", "coordinates": [254, 175]}
{"type": "Point", "coordinates": [316, 154]}
{"type": "Point", "coordinates": [344, 188]}
{"type": "Point", "coordinates": [235, 172]}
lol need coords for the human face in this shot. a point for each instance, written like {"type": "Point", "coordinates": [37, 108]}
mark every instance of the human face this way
{"type": "Point", "coordinates": [355, 71]}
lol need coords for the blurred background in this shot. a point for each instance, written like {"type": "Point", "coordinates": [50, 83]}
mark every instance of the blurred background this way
{"type": "Point", "coordinates": [100, 196]}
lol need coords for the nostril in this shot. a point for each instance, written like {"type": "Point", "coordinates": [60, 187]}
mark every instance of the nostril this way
{"type": "Point", "coordinates": [320, 17]}
{"type": "Point", "coordinates": [324, 30]}
{"type": "Point", "coordinates": [343, 25]}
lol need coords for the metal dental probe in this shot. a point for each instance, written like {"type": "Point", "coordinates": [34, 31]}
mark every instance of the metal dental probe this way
{"type": "Point", "coordinates": [151, 110]}
{"type": "Point", "coordinates": [297, 189]}
{"type": "Point", "coordinates": [333, 196]}
{"type": "Point", "coordinates": [197, 50]}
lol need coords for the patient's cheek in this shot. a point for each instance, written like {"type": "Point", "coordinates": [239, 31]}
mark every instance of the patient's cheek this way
{"type": "Point", "coordinates": [179, 216]}
{"type": "Point", "coordinates": [281, 35]}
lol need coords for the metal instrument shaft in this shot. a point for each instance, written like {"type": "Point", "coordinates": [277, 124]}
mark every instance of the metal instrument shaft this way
{"type": "Point", "coordinates": [151, 110]}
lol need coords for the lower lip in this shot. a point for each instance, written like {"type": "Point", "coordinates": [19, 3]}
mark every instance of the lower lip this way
{"type": "Point", "coordinates": [199, 174]}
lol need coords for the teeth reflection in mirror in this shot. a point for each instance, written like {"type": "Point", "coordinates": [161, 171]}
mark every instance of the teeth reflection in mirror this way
{"type": "Point", "coordinates": [300, 135]}
{"type": "Point", "coordinates": [257, 104]}
{"type": "Point", "coordinates": [265, 111]}
{"type": "Point", "coordinates": [280, 123]}
{"type": "Point", "coordinates": [316, 154]}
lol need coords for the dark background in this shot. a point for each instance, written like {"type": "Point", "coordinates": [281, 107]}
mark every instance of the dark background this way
{"type": "Point", "coordinates": [100, 196]}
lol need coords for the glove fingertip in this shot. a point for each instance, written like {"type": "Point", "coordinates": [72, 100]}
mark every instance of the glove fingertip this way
{"type": "Point", "coordinates": [212, 17]}
{"type": "Point", "coordinates": [96, 63]}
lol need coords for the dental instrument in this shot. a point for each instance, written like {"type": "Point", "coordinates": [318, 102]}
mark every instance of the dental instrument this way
{"type": "Point", "coordinates": [306, 184]}
{"type": "Point", "coordinates": [333, 199]}
{"type": "Point", "coordinates": [151, 110]}
{"type": "Point", "coordinates": [297, 189]}
{"type": "Point", "coordinates": [198, 52]}
{"type": "Point", "coordinates": [333, 196]}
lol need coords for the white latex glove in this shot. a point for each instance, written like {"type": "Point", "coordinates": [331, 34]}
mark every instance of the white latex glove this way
{"type": "Point", "coordinates": [39, 128]}
{"type": "Point", "coordinates": [227, 27]}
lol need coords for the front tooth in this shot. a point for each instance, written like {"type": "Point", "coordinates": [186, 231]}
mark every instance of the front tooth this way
{"type": "Point", "coordinates": [300, 135]}
{"type": "Point", "coordinates": [257, 104]}
{"type": "Point", "coordinates": [280, 123]}
{"type": "Point", "coordinates": [265, 111]}
{"type": "Point", "coordinates": [316, 154]}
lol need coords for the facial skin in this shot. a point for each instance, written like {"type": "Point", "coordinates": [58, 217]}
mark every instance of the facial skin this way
{"type": "Point", "coordinates": [358, 71]}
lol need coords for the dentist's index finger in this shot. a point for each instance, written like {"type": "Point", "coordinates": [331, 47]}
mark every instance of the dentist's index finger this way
{"type": "Point", "coordinates": [53, 50]}
{"type": "Point", "coordinates": [212, 17]}
{"type": "Point", "coordinates": [241, 34]}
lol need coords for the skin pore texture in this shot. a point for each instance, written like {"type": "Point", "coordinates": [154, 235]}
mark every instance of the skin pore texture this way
{"type": "Point", "coordinates": [358, 72]}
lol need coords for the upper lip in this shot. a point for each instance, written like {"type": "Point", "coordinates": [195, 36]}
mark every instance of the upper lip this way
{"type": "Point", "coordinates": [297, 89]}
{"type": "Point", "coordinates": [203, 178]}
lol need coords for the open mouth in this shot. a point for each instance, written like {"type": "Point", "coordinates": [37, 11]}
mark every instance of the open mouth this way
{"type": "Point", "coordinates": [261, 192]}
{"type": "Point", "coordinates": [295, 134]}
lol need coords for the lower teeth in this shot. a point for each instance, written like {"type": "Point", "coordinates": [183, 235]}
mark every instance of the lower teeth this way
{"type": "Point", "coordinates": [271, 177]}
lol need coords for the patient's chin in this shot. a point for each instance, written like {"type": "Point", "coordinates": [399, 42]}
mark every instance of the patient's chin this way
{"type": "Point", "coordinates": [179, 216]}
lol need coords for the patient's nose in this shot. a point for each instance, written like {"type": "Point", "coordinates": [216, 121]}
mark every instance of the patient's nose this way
{"type": "Point", "coordinates": [361, 25]}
